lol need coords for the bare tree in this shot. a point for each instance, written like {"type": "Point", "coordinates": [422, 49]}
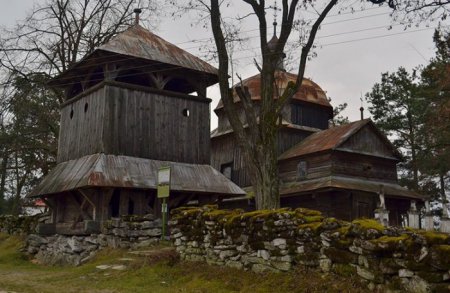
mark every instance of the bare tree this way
{"type": "Point", "coordinates": [418, 10]}
{"type": "Point", "coordinates": [257, 134]}
{"type": "Point", "coordinates": [54, 36]}
{"type": "Point", "coordinates": [59, 32]}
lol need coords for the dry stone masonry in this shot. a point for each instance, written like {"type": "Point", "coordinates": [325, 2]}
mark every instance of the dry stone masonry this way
{"type": "Point", "coordinates": [124, 232]}
{"type": "Point", "coordinates": [388, 258]}
{"type": "Point", "coordinates": [16, 225]}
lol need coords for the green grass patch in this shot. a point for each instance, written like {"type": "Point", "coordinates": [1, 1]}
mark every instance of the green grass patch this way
{"type": "Point", "coordinates": [159, 273]}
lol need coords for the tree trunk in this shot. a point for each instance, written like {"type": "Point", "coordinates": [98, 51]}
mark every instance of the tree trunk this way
{"type": "Point", "coordinates": [445, 212]}
{"type": "Point", "coordinates": [3, 175]}
{"type": "Point", "coordinates": [413, 151]}
{"type": "Point", "coordinates": [257, 134]}
{"type": "Point", "coordinates": [267, 186]}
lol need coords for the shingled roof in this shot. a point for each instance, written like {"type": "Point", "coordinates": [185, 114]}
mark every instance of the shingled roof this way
{"type": "Point", "coordinates": [309, 92]}
{"type": "Point", "coordinates": [331, 139]}
{"type": "Point", "coordinates": [140, 43]}
{"type": "Point", "coordinates": [100, 170]}
{"type": "Point", "coordinates": [347, 183]}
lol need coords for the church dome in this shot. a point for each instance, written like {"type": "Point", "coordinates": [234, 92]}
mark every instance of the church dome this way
{"type": "Point", "coordinates": [309, 92]}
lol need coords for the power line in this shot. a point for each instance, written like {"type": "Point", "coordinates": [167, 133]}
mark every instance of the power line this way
{"type": "Point", "coordinates": [247, 57]}
{"type": "Point", "coordinates": [332, 15]}
{"type": "Point", "coordinates": [351, 41]}
{"type": "Point", "coordinates": [377, 37]}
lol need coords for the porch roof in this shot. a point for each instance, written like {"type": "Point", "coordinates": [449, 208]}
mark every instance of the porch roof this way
{"type": "Point", "coordinates": [100, 170]}
{"type": "Point", "coordinates": [341, 182]}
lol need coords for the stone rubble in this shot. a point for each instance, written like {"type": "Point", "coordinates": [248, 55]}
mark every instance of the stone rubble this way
{"type": "Point", "coordinates": [126, 232]}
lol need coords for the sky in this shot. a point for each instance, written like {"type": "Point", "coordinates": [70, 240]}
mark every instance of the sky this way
{"type": "Point", "coordinates": [353, 49]}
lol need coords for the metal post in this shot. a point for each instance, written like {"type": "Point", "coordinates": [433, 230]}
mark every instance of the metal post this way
{"type": "Point", "coordinates": [164, 217]}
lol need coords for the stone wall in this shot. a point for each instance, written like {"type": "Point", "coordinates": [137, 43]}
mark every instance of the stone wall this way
{"type": "Point", "coordinates": [17, 225]}
{"type": "Point", "coordinates": [388, 258]}
{"type": "Point", "coordinates": [124, 232]}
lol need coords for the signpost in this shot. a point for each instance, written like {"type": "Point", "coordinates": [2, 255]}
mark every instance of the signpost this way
{"type": "Point", "coordinates": [163, 192]}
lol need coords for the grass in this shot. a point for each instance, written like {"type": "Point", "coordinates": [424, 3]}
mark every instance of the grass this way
{"type": "Point", "coordinates": [161, 272]}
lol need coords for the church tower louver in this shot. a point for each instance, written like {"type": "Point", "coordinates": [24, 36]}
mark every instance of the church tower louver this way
{"type": "Point", "coordinates": [133, 105]}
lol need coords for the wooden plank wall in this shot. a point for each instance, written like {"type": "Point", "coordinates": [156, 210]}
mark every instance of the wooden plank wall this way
{"type": "Point", "coordinates": [367, 141]}
{"type": "Point", "coordinates": [287, 138]}
{"type": "Point", "coordinates": [364, 166]}
{"type": "Point", "coordinates": [149, 125]}
{"type": "Point", "coordinates": [317, 166]}
{"type": "Point", "coordinates": [224, 151]}
{"type": "Point", "coordinates": [309, 115]}
{"type": "Point", "coordinates": [135, 123]}
{"type": "Point", "coordinates": [81, 134]}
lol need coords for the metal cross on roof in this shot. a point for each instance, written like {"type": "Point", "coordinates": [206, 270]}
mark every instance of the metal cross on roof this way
{"type": "Point", "coordinates": [275, 12]}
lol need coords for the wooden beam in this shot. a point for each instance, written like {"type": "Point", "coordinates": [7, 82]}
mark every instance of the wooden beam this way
{"type": "Point", "coordinates": [82, 213]}
{"type": "Point", "coordinates": [52, 208]}
{"type": "Point", "coordinates": [86, 198]}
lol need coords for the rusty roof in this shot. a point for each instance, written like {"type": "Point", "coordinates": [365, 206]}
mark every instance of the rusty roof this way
{"type": "Point", "coordinates": [138, 42]}
{"type": "Point", "coordinates": [100, 170]}
{"type": "Point", "coordinates": [341, 182]}
{"type": "Point", "coordinates": [309, 91]}
{"type": "Point", "coordinates": [331, 139]}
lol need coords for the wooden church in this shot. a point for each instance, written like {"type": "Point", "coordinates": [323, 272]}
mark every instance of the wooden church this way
{"type": "Point", "coordinates": [133, 105]}
{"type": "Point", "coordinates": [341, 171]}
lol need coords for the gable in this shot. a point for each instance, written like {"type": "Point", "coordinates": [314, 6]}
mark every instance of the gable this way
{"type": "Point", "coordinates": [368, 140]}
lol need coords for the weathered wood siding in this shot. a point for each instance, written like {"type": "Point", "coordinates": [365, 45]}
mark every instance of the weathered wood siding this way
{"type": "Point", "coordinates": [340, 164]}
{"type": "Point", "coordinates": [317, 166]}
{"type": "Point", "coordinates": [123, 121]}
{"type": "Point", "coordinates": [364, 166]}
{"type": "Point", "coordinates": [367, 141]}
{"type": "Point", "coordinates": [153, 126]}
{"type": "Point", "coordinates": [310, 115]}
{"type": "Point", "coordinates": [224, 150]}
{"type": "Point", "coordinates": [287, 138]}
{"type": "Point", "coordinates": [333, 203]}
{"type": "Point", "coordinates": [81, 132]}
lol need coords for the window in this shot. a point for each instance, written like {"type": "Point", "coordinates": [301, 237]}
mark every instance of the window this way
{"type": "Point", "coordinates": [227, 170]}
{"type": "Point", "coordinates": [302, 170]}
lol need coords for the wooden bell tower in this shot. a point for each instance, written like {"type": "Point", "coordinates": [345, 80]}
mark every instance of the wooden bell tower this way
{"type": "Point", "coordinates": [139, 96]}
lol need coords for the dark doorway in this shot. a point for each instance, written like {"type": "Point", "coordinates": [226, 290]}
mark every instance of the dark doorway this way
{"type": "Point", "coordinates": [363, 210]}
{"type": "Point", "coordinates": [130, 207]}
{"type": "Point", "coordinates": [114, 204]}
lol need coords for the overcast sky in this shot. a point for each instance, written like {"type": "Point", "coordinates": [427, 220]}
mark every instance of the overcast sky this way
{"type": "Point", "coordinates": [353, 49]}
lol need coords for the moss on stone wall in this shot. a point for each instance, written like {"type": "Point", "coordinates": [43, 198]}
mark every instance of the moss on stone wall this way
{"type": "Point", "coordinates": [279, 239]}
{"type": "Point", "coordinates": [18, 224]}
